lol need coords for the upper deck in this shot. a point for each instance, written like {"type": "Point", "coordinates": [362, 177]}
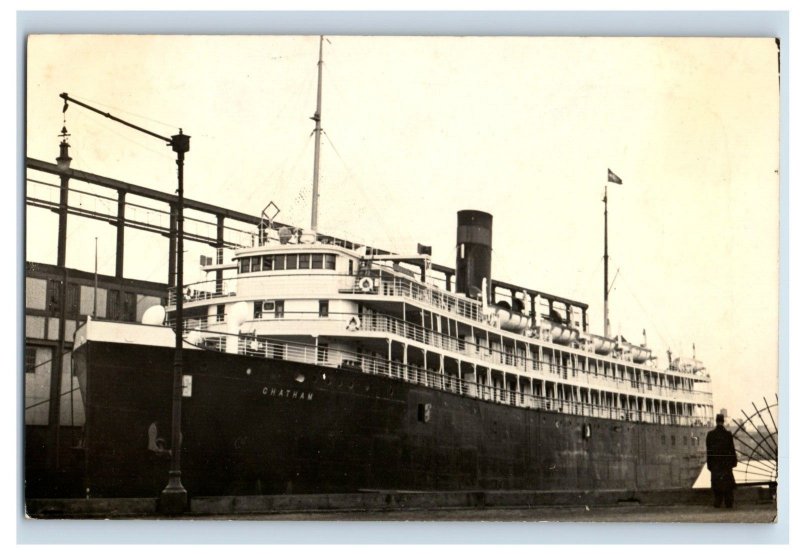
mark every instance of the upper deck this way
{"type": "Point", "coordinates": [319, 270]}
{"type": "Point", "coordinates": [309, 291]}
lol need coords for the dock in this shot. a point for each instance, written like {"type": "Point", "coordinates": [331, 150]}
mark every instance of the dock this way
{"type": "Point", "coordinates": [756, 505]}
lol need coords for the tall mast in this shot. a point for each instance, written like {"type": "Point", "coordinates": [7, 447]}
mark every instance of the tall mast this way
{"type": "Point", "coordinates": [605, 262]}
{"type": "Point", "coordinates": [317, 132]}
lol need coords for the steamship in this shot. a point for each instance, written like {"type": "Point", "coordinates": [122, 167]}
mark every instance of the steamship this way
{"type": "Point", "coordinates": [324, 366]}
{"type": "Point", "coordinates": [313, 364]}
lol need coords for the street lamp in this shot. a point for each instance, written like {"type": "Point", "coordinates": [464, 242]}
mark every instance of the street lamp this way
{"type": "Point", "coordinates": [173, 499]}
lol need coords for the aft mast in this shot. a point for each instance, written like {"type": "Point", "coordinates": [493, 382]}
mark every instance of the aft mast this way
{"type": "Point", "coordinates": [317, 132]}
{"type": "Point", "coordinates": [605, 262]}
{"type": "Point", "coordinates": [612, 178]}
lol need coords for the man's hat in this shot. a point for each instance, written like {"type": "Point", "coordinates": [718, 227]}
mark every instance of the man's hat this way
{"type": "Point", "coordinates": [720, 419]}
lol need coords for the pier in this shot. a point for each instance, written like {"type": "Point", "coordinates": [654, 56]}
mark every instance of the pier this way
{"type": "Point", "coordinates": [677, 505]}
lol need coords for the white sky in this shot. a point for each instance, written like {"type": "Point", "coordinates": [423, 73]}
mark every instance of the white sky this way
{"type": "Point", "coordinates": [419, 128]}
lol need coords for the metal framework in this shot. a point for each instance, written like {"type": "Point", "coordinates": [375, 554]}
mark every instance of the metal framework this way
{"type": "Point", "coordinates": [756, 442]}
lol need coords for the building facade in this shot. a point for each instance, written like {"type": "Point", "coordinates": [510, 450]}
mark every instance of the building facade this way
{"type": "Point", "coordinates": [49, 471]}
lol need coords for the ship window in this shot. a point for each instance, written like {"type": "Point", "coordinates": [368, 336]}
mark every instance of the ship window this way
{"type": "Point", "coordinates": [350, 267]}
{"type": "Point", "coordinates": [291, 261]}
{"type": "Point", "coordinates": [30, 360]}
{"type": "Point", "coordinates": [244, 265]}
{"type": "Point", "coordinates": [302, 262]}
{"type": "Point", "coordinates": [330, 261]}
{"type": "Point", "coordinates": [220, 313]}
{"type": "Point", "coordinates": [279, 262]}
{"type": "Point", "coordinates": [266, 263]}
{"type": "Point", "coordinates": [322, 352]}
{"type": "Point", "coordinates": [279, 309]}
{"type": "Point", "coordinates": [316, 261]}
{"type": "Point", "coordinates": [255, 264]}
{"type": "Point", "coordinates": [323, 309]}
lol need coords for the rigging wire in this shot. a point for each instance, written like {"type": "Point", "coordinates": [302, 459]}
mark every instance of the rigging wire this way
{"type": "Point", "coordinates": [364, 193]}
{"type": "Point", "coordinates": [164, 153]}
{"type": "Point", "coordinates": [645, 312]}
{"type": "Point", "coordinates": [587, 278]}
{"type": "Point", "coordinates": [290, 171]}
{"type": "Point", "coordinates": [43, 363]}
{"type": "Point", "coordinates": [299, 92]}
{"type": "Point", "coordinates": [62, 394]}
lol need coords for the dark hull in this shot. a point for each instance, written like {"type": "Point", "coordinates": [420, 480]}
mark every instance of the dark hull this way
{"type": "Point", "coordinates": [270, 430]}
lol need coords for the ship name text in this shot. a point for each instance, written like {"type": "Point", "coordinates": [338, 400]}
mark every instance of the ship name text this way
{"type": "Point", "coordinates": [287, 393]}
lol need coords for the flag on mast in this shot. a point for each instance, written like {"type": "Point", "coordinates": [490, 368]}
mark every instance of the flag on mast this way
{"type": "Point", "coordinates": [614, 178]}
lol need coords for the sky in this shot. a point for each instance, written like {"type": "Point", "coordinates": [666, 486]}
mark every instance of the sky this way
{"type": "Point", "coordinates": [416, 129]}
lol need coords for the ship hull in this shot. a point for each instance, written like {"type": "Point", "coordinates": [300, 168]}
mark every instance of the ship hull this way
{"type": "Point", "coordinates": [266, 426]}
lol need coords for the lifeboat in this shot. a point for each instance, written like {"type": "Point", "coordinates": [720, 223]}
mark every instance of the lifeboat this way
{"type": "Point", "coordinates": [562, 334]}
{"type": "Point", "coordinates": [639, 354]}
{"type": "Point", "coordinates": [510, 320]}
{"type": "Point", "coordinates": [601, 345]}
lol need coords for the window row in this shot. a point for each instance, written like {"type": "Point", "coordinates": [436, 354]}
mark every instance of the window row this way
{"type": "Point", "coordinates": [269, 262]}
{"type": "Point", "coordinates": [277, 309]}
{"type": "Point", "coordinates": [120, 305]}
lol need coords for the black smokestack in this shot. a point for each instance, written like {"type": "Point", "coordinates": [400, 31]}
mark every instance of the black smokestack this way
{"type": "Point", "coordinates": [474, 252]}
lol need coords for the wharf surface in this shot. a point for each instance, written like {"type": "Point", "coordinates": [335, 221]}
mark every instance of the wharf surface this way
{"type": "Point", "coordinates": [755, 505]}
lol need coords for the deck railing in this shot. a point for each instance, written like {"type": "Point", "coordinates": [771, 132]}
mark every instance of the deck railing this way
{"type": "Point", "coordinates": [284, 350]}
{"type": "Point", "coordinates": [393, 286]}
{"type": "Point", "coordinates": [492, 358]}
{"type": "Point", "coordinates": [253, 346]}
{"type": "Point", "coordinates": [387, 285]}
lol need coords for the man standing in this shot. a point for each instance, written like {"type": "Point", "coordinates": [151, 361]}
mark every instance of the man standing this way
{"type": "Point", "coordinates": [721, 459]}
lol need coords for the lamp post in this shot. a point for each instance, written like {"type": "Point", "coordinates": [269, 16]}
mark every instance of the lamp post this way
{"type": "Point", "coordinates": [57, 366]}
{"type": "Point", "coordinates": [174, 498]}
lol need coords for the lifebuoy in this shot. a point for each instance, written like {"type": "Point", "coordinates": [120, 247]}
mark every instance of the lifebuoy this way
{"type": "Point", "coordinates": [365, 284]}
{"type": "Point", "coordinates": [354, 323]}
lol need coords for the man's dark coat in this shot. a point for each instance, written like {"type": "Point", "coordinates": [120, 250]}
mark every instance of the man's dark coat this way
{"type": "Point", "coordinates": [721, 458]}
